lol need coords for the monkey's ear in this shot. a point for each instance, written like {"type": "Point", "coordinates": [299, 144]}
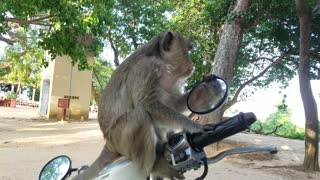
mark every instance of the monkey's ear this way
{"type": "Point", "coordinates": [167, 41]}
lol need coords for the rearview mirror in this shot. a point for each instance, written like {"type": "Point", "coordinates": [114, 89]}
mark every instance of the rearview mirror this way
{"type": "Point", "coordinates": [208, 95]}
{"type": "Point", "coordinates": [56, 169]}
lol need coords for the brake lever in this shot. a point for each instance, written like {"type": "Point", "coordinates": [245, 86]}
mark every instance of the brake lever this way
{"type": "Point", "coordinates": [242, 150]}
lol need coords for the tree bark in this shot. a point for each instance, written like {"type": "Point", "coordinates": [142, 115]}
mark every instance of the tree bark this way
{"type": "Point", "coordinates": [94, 92]}
{"type": "Point", "coordinates": [227, 53]}
{"type": "Point", "coordinates": [6, 40]}
{"type": "Point", "coordinates": [309, 104]}
{"type": "Point", "coordinates": [35, 20]}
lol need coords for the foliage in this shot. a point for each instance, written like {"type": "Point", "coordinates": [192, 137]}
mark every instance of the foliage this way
{"type": "Point", "coordinates": [102, 71]}
{"type": "Point", "coordinates": [3, 67]}
{"type": "Point", "coordinates": [65, 27]}
{"type": "Point", "coordinates": [271, 31]}
{"type": "Point", "coordinates": [25, 61]}
{"type": "Point", "coordinates": [3, 72]}
{"type": "Point", "coordinates": [191, 18]}
{"type": "Point", "coordinates": [37, 93]}
{"type": "Point", "coordinates": [134, 23]}
{"type": "Point", "coordinates": [11, 95]}
{"type": "Point", "coordinates": [279, 123]}
{"type": "Point", "coordinates": [138, 21]}
{"type": "Point", "coordinates": [290, 130]}
{"type": "Point", "coordinates": [267, 38]}
{"type": "Point", "coordinates": [60, 26]}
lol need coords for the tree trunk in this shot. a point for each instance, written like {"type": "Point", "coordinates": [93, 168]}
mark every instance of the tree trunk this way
{"type": "Point", "coordinates": [114, 48]}
{"type": "Point", "coordinates": [12, 87]}
{"type": "Point", "coordinates": [309, 104]}
{"type": "Point", "coordinates": [94, 94]}
{"type": "Point", "coordinates": [18, 92]}
{"type": "Point", "coordinates": [227, 53]}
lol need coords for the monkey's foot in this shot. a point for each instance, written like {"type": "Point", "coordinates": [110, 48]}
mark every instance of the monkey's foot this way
{"type": "Point", "coordinates": [165, 170]}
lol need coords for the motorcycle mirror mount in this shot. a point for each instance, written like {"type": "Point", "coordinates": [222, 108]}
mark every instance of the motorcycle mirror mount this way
{"type": "Point", "coordinates": [208, 95]}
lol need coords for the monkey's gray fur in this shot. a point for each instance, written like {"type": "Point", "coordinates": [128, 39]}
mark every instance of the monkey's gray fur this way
{"type": "Point", "coordinates": [142, 101]}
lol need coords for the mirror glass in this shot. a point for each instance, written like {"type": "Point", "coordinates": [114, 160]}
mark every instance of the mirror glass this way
{"type": "Point", "coordinates": [208, 95]}
{"type": "Point", "coordinates": [56, 169]}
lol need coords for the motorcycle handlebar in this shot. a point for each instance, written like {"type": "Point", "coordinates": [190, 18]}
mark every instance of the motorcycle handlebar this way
{"type": "Point", "coordinates": [222, 130]}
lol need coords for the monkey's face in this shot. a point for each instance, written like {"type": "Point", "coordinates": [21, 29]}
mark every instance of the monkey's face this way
{"type": "Point", "coordinates": [175, 50]}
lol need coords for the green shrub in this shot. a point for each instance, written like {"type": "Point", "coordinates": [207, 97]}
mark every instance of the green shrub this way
{"type": "Point", "coordinates": [280, 128]}
{"type": "Point", "coordinates": [280, 124]}
{"type": "Point", "coordinates": [11, 95]}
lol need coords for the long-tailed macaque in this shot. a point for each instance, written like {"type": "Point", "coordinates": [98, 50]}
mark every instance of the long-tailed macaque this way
{"type": "Point", "coordinates": [142, 101]}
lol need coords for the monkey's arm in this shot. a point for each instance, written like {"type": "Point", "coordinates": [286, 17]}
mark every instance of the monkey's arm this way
{"type": "Point", "coordinates": [169, 118]}
{"type": "Point", "coordinates": [181, 104]}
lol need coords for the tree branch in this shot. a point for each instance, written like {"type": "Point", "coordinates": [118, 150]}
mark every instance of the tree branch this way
{"type": "Point", "coordinates": [48, 32]}
{"type": "Point", "coordinates": [35, 21]}
{"type": "Point", "coordinates": [274, 131]}
{"type": "Point", "coordinates": [114, 48]}
{"type": "Point", "coordinates": [6, 40]}
{"type": "Point", "coordinates": [242, 86]}
{"type": "Point", "coordinates": [260, 130]}
{"type": "Point", "coordinates": [132, 27]}
{"type": "Point", "coordinates": [316, 9]}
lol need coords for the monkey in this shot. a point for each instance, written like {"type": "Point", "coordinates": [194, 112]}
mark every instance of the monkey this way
{"type": "Point", "coordinates": [207, 94]}
{"type": "Point", "coordinates": [144, 100]}
{"type": "Point", "coordinates": [201, 92]}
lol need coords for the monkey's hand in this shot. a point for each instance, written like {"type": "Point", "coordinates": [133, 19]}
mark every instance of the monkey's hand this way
{"type": "Point", "coordinates": [201, 128]}
{"type": "Point", "coordinates": [195, 127]}
{"type": "Point", "coordinates": [209, 78]}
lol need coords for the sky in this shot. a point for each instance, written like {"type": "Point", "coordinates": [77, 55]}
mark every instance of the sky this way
{"type": "Point", "coordinates": [264, 101]}
{"type": "Point", "coordinates": [2, 46]}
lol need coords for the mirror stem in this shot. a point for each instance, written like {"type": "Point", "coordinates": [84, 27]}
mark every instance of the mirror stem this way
{"type": "Point", "coordinates": [74, 169]}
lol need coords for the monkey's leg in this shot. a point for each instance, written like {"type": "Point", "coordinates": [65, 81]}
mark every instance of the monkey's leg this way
{"type": "Point", "coordinates": [105, 157]}
{"type": "Point", "coordinates": [138, 141]}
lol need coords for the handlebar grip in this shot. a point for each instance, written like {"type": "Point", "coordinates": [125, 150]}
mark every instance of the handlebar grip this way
{"type": "Point", "coordinates": [222, 130]}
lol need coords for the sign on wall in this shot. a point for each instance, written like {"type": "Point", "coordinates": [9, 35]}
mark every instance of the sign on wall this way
{"type": "Point", "coordinates": [63, 103]}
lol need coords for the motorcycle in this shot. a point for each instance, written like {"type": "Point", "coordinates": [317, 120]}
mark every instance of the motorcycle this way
{"type": "Point", "coordinates": [183, 150]}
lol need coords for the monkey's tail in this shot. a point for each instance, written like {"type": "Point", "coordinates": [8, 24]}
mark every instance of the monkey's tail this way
{"type": "Point", "coordinates": [105, 157]}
